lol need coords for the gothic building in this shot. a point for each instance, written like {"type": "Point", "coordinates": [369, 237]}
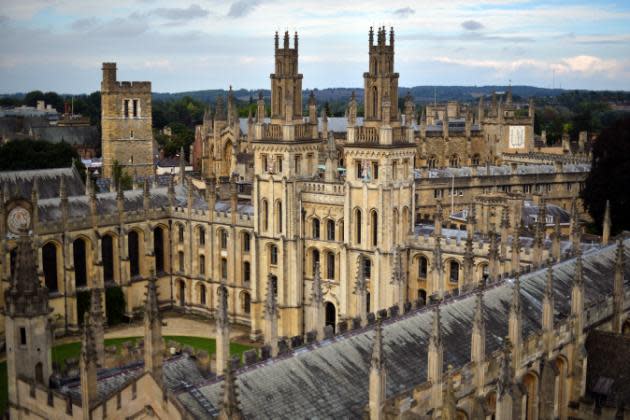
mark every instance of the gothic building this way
{"type": "Point", "coordinates": [441, 226]}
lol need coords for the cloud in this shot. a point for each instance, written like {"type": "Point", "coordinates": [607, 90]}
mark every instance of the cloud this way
{"type": "Point", "coordinates": [404, 12]}
{"type": "Point", "coordinates": [472, 25]}
{"type": "Point", "coordinates": [242, 8]}
{"type": "Point", "coordinates": [194, 11]}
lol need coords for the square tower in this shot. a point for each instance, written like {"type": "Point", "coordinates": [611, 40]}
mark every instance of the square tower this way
{"type": "Point", "coordinates": [127, 136]}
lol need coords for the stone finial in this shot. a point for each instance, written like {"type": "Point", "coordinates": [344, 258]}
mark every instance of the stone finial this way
{"type": "Point", "coordinates": [360, 286]}
{"type": "Point", "coordinates": [377, 347]}
{"type": "Point", "coordinates": [548, 294]}
{"type": "Point", "coordinates": [222, 307]}
{"type": "Point", "coordinates": [515, 305]}
{"type": "Point", "coordinates": [478, 317]}
{"type": "Point", "coordinates": [578, 277]}
{"type": "Point", "coordinates": [449, 407]}
{"type": "Point", "coordinates": [230, 406]}
{"type": "Point", "coordinates": [151, 305]}
{"type": "Point", "coordinates": [620, 256]}
{"type": "Point", "coordinates": [88, 342]}
{"type": "Point", "coordinates": [398, 275]}
{"type": "Point", "coordinates": [317, 295]}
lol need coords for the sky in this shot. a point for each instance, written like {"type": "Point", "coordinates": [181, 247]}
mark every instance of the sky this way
{"type": "Point", "coordinates": [208, 44]}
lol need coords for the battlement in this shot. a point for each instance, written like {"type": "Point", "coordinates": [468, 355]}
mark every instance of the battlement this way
{"type": "Point", "coordinates": [110, 84]}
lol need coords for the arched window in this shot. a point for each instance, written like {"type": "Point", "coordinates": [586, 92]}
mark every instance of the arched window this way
{"type": "Point", "coordinates": [475, 160]}
{"type": "Point", "coordinates": [246, 302]}
{"type": "Point", "coordinates": [274, 284]}
{"type": "Point", "coordinates": [273, 255]}
{"type": "Point", "coordinates": [180, 233]}
{"type": "Point", "coordinates": [315, 224]}
{"type": "Point", "coordinates": [246, 244]}
{"type": "Point", "coordinates": [454, 272]}
{"type": "Point", "coordinates": [330, 230]}
{"type": "Point", "coordinates": [314, 261]}
{"type": "Point", "coordinates": [375, 98]}
{"type": "Point", "coordinates": [432, 162]}
{"type": "Point", "coordinates": [423, 267]}
{"type": "Point", "coordinates": [367, 268]}
{"type": "Point", "coordinates": [223, 238]}
{"type": "Point", "coordinates": [454, 161]}
{"type": "Point", "coordinates": [224, 268]}
{"type": "Point", "coordinates": [279, 215]}
{"type": "Point", "coordinates": [80, 263]}
{"type": "Point", "coordinates": [201, 235]}
{"type": "Point", "coordinates": [341, 232]}
{"type": "Point", "coordinates": [265, 215]}
{"type": "Point", "coordinates": [246, 273]}
{"type": "Point", "coordinates": [180, 258]}
{"type": "Point", "coordinates": [202, 264]}
{"type": "Point", "coordinates": [202, 294]}
{"type": "Point", "coordinates": [330, 265]}
{"type": "Point", "coordinates": [358, 224]}
{"type": "Point", "coordinates": [395, 222]}
{"type": "Point", "coordinates": [134, 253]}
{"type": "Point", "coordinates": [49, 262]}
{"type": "Point", "coordinates": [158, 249]}
{"type": "Point", "coordinates": [374, 222]}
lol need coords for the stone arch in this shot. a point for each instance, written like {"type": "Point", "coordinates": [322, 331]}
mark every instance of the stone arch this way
{"type": "Point", "coordinates": [223, 238]}
{"type": "Point", "coordinates": [330, 270]}
{"type": "Point", "coordinates": [226, 158]}
{"type": "Point", "coordinates": [110, 257]}
{"type": "Point", "coordinates": [530, 396]}
{"type": "Point", "coordinates": [313, 257]}
{"type": "Point", "coordinates": [201, 294]}
{"type": "Point", "coordinates": [200, 235]}
{"type": "Point", "coordinates": [358, 225]}
{"type": "Point", "coordinates": [482, 272]}
{"type": "Point", "coordinates": [454, 161]}
{"type": "Point", "coordinates": [80, 261]}
{"type": "Point", "coordinates": [422, 263]}
{"type": "Point", "coordinates": [375, 97]}
{"type": "Point", "coordinates": [181, 291]}
{"type": "Point", "coordinates": [264, 214]}
{"type": "Point", "coordinates": [315, 227]}
{"type": "Point", "coordinates": [278, 218]}
{"type": "Point", "coordinates": [52, 265]}
{"type": "Point", "coordinates": [374, 226]}
{"type": "Point", "coordinates": [625, 328]}
{"type": "Point", "coordinates": [134, 245]}
{"type": "Point", "coordinates": [160, 247]}
{"type": "Point", "coordinates": [432, 162]}
{"type": "Point", "coordinates": [245, 299]}
{"type": "Point", "coordinates": [330, 229]}
{"type": "Point", "coordinates": [561, 397]}
{"type": "Point", "coordinates": [454, 267]}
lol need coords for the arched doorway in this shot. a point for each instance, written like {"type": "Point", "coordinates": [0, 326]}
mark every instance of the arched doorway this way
{"type": "Point", "coordinates": [331, 315]}
{"type": "Point", "coordinates": [182, 292]}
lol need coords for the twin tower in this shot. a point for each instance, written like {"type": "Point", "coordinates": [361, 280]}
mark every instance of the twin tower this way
{"type": "Point", "coordinates": [127, 136]}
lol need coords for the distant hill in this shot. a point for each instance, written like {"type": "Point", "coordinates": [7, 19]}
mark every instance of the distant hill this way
{"type": "Point", "coordinates": [419, 93]}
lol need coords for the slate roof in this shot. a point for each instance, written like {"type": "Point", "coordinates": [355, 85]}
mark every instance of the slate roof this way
{"type": "Point", "coordinates": [20, 183]}
{"type": "Point", "coordinates": [330, 379]}
{"type": "Point", "coordinates": [82, 136]}
{"type": "Point", "coordinates": [608, 370]}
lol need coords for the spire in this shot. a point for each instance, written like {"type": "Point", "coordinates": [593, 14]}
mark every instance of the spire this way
{"type": "Point", "coordinates": [378, 375]}
{"type": "Point", "coordinates": [295, 41]}
{"type": "Point", "coordinates": [277, 41]}
{"type": "Point", "coordinates": [436, 329]}
{"type": "Point", "coordinates": [515, 320]}
{"type": "Point", "coordinates": [230, 409]}
{"type": "Point", "coordinates": [271, 306]}
{"type": "Point", "coordinates": [371, 36]}
{"type": "Point", "coordinates": [555, 245]}
{"type": "Point", "coordinates": [222, 307]}
{"type": "Point", "coordinates": [435, 361]}
{"type": "Point", "coordinates": [26, 296]}
{"type": "Point", "coordinates": [286, 40]}
{"type": "Point", "coordinates": [360, 289]}
{"type": "Point", "coordinates": [515, 306]}
{"type": "Point", "coordinates": [449, 407]}
{"type": "Point", "coordinates": [271, 317]}
{"type": "Point", "coordinates": [222, 330]}
{"type": "Point", "coordinates": [97, 318]}
{"type": "Point", "coordinates": [478, 318]}
{"type": "Point", "coordinates": [87, 364]}
{"type": "Point", "coordinates": [397, 270]}
{"type": "Point", "coordinates": [618, 287]}
{"type": "Point", "coordinates": [505, 380]}
{"type": "Point", "coordinates": [548, 311]}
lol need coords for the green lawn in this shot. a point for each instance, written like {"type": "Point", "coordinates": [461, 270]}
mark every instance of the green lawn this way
{"type": "Point", "coordinates": [63, 351]}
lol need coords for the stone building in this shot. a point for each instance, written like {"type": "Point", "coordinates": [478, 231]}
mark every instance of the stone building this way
{"type": "Point", "coordinates": [127, 133]}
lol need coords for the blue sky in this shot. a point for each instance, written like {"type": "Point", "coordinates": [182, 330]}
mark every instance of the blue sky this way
{"type": "Point", "coordinates": [204, 44]}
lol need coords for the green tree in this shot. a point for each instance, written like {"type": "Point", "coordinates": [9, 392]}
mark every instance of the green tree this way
{"type": "Point", "coordinates": [120, 177]}
{"type": "Point", "coordinates": [610, 176]}
{"type": "Point", "coordinates": [38, 154]}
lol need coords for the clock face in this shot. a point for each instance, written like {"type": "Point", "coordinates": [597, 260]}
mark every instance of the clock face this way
{"type": "Point", "coordinates": [19, 220]}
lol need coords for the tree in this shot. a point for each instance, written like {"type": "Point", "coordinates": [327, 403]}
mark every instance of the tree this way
{"type": "Point", "coordinates": [38, 154]}
{"type": "Point", "coordinates": [120, 177]}
{"type": "Point", "coordinates": [610, 176]}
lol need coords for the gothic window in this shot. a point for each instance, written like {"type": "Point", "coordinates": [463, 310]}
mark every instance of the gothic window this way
{"type": "Point", "coordinates": [265, 215]}
{"type": "Point", "coordinates": [265, 165]}
{"type": "Point", "coordinates": [202, 264]}
{"type": "Point", "coordinates": [273, 255]}
{"type": "Point", "coordinates": [202, 294]}
{"type": "Point", "coordinates": [279, 215]}
{"type": "Point", "coordinates": [298, 164]}
{"type": "Point", "coordinates": [246, 244]}
{"type": "Point", "coordinates": [395, 169]}
{"type": "Point", "coordinates": [375, 98]}
{"type": "Point", "coordinates": [223, 238]}
{"type": "Point", "coordinates": [80, 263]}
{"type": "Point", "coordinates": [224, 268]}
{"type": "Point", "coordinates": [201, 235]}
{"type": "Point", "coordinates": [374, 170]}
{"type": "Point", "coordinates": [158, 249]}
{"type": "Point", "coordinates": [475, 160]}
{"type": "Point", "coordinates": [135, 108]}
{"type": "Point", "coordinates": [315, 224]}
{"type": "Point", "coordinates": [246, 273]}
{"type": "Point", "coordinates": [423, 266]}
{"type": "Point", "coordinates": [454, 272]}
{"type": "Point", "coordinates": [454, 161]}
{"type": "Point", "coordinates": [330, 265]}
{"type": "Point", "coordinates": [374, 222]}
{"type": "Point", "coordinates": [358, 225]}
{"type": "Point", "coordinates": [49, 262]}
{"type": "Point", "coordinates": [432, 162]}
{"type": "Point", "coordinates": [330, 230]}
{"type": "Point", "coordinates": [274, 284]}
{"type": "Point", "coordinates": [314, 261]}
{"type": "Point", "coordinates": [126, 108]}
{"type": "Point", "coordinates": [367, 268]}
{"type": "Point", "coordinates": [180, 233]}
{"type": "Point", "coordinates": [246, 302]}
{"type": "Point", "coordinates": [180, 256]}
{"type": "Point", "coordinates": [134, 253]}
{"type": "Point", "coordinates": [22, 336]}
{"type": "Point", "coordinates": [279, 164]}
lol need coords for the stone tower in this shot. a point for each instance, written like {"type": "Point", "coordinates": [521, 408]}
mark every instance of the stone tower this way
{"type": "Point", "coordinates": [381, 82]}
{"type": "Point", "coordinates": [28, 333]}
{"type": "Point", "coordinates": [286, 82]}
{"type": "Point", "coordinates": [127, 136]}
{"type": "Point", "coordinates": [285, 152]}
{"type": "Point", "coordinates": [379, 157]}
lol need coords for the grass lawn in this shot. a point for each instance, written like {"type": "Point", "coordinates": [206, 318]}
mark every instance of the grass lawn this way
{"type": "Point", "coordinates": [63, 351]}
